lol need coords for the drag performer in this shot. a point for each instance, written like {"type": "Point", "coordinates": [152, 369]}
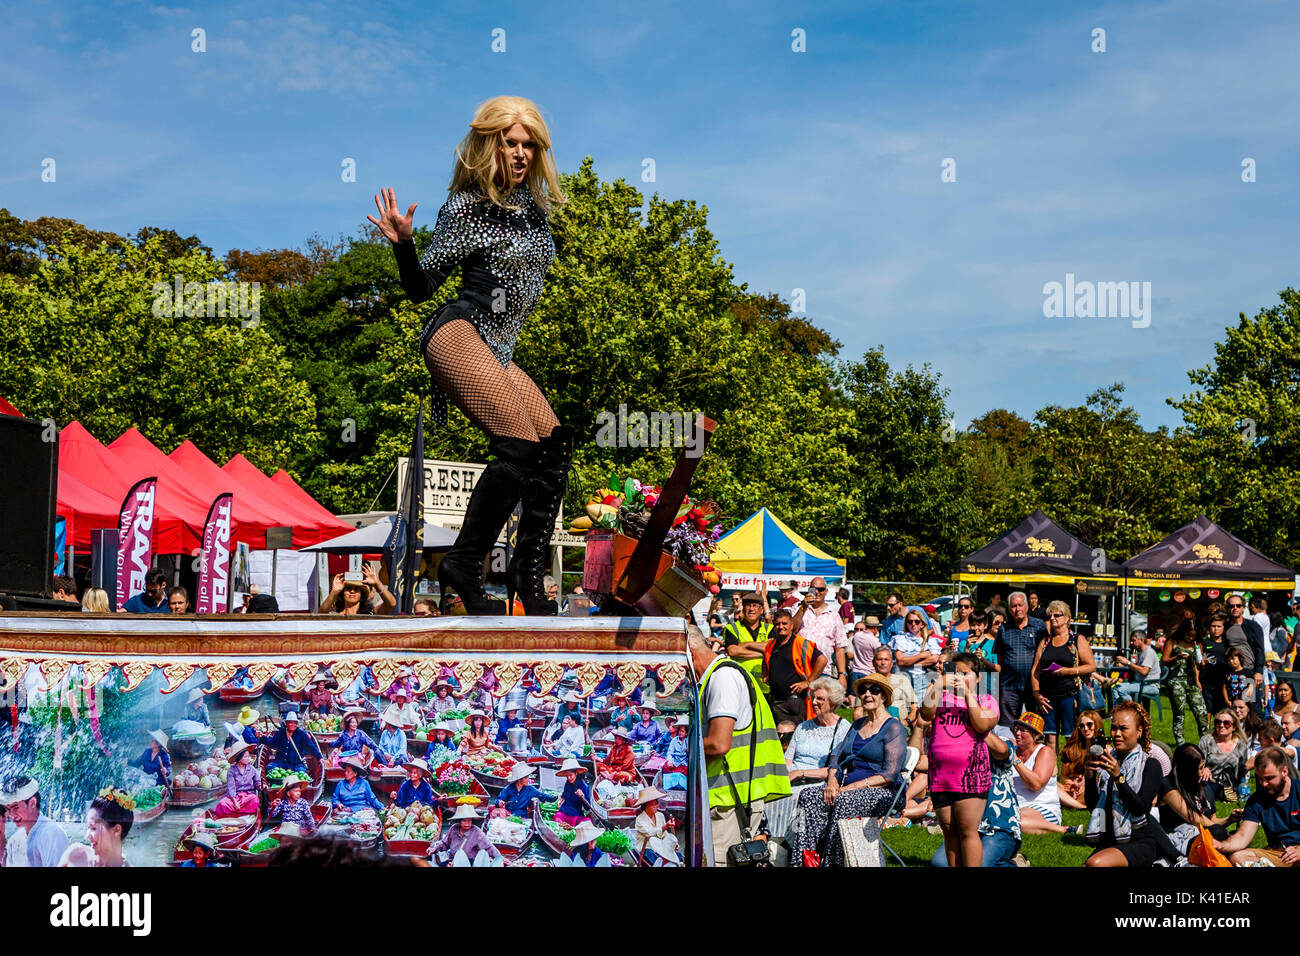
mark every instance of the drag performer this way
{"type": "Point", "coordinates": [495, 225]}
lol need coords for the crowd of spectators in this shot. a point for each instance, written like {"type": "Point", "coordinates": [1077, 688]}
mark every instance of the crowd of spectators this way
{"type": "Point", "coordinates": [990, 728]}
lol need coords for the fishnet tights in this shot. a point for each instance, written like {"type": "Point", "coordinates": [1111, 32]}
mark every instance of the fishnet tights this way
{"type": "Point", "coordinates": [503, 402]}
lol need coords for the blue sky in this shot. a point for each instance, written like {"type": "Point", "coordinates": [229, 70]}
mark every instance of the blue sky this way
{"type": "Point", "coordinates": [820, 170]}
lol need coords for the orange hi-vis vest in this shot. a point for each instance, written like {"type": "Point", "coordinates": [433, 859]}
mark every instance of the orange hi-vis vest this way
{"type": "Point", "coordinates": [804, 651]}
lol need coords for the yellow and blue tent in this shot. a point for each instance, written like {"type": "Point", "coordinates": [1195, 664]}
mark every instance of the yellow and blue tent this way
{"type": "Point", "coordinates": [764, 544]}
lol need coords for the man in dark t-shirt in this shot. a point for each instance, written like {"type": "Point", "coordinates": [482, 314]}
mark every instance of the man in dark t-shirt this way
{"type": "Point", "coordinates": [1036, 609]}
{"type": "Point", "coordinates": [790, 665]}
{"type": "Point", "coordinates": [1275, 806]}
{"type": "Point", "coordinates": [1214, 669]}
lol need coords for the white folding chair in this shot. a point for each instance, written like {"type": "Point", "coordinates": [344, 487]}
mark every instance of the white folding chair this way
{"type": "Point", "coordinates": [909, 767]}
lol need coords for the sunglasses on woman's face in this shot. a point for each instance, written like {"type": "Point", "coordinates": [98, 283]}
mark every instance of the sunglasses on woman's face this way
{"type": "Point", "coordinates": [868, 692]}
{"type": "Point", "coordinates": [1058, 614]}
{"type": "Point", "coordinates": [912, 620]}
{"type": "Point", "coordinates": [1223, 723]}
{"type": "Point", "coordinates": [1087, 724]}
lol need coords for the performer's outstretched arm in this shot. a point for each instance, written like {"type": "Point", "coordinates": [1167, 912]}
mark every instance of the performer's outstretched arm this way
{"type": "Point", "coordinates": [452, 240]}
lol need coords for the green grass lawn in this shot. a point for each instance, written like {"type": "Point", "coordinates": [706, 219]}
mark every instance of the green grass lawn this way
{"type": "Point", "coordinates": [916, 845]}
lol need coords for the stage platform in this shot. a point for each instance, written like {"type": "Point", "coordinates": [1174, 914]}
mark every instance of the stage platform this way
{"type": "Point", "coordinates": [180, 645]}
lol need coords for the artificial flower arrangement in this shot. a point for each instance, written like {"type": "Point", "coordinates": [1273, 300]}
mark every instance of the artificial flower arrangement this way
{"type": "Point", "coordinates": [120, 797]}
{"type": "Point", "coordinates": [625, 506]}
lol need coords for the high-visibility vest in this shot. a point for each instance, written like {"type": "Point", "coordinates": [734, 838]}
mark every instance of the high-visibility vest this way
{"type": "Point", "coordinates": [769, 780]}
{"type": "Point", "coordinates": [754, 665]}
{"type": "Point", "coordinates": [803, 651]}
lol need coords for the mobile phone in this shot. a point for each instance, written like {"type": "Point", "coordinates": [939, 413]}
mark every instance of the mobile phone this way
{"type": "Point", "coordinates": [950, 667]}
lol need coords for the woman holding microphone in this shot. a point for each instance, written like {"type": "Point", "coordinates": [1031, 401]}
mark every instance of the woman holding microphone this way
{"type": "Point", "coordinates": [1120, 785]}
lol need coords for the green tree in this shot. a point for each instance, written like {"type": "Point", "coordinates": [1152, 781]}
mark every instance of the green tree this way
{"type": "Point", "coordinates": [1243, 420]}
{"type": "Point", "coordinates": [996, 461]}
{"type": "Point", "coordinates": [1101, 475]}
{"type": "Point", "coordinates": [83, 342]}
{"type": "Point", "coordinates": [911, 516]}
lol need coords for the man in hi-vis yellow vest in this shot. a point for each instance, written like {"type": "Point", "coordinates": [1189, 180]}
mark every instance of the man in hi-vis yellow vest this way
{"type": "Point", "coordinates": [744, 766]}
{"type": "Point", "coordinates": [746, 637]}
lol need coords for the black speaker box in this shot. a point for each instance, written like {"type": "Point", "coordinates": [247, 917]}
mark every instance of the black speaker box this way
{"type": "Point", "coordinates": [29, 468]}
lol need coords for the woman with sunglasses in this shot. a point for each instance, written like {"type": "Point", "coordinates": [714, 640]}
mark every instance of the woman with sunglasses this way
{"type": "Point", "coordinates": [915, 650]}
{"type": "Point", "coordinates": [961, 622]}
{"type": "Point", "coordinates": [1225, 750]}
{"type": "Point", "coordinates": [1061, 660]}
{"type": "Point", "coordinates": [810, 750]}
{"type": "Point", "coordinates": [1088, 730]}
{"type": "Point", "coordinates": [862, 780]}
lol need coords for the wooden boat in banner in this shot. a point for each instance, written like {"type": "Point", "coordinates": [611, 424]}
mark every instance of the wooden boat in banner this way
{"type": "Point", "coordinates": [279, 686]}
{"type": "Point", "coordinates": [673, 801]}
{"type": "Point", "coordinates": [521, 834]}
{"type": "Point", "coordinates": [612, 816]}
{"type": "Point", "coordinates": [491, 782]}
{"type": "Point", "coordinates": [362, 826]}
{"type": "Point", "coordinates": [333, 774]}
{"type": "Point", "coordinates": [196, 796]}
{"type": "Point", "coordinates": [192, 746]}
{"type": "Point", "coordinates": [231, 833]}
{"type": "Point", "coordinates": [238, 695]}
{"type": "Point", "coordinates": [324, 730]}
{"type": "Point", "coordinates": [316, 773]}
{"type": "Point", "coordinates": [490, 769]}
{"type": "Point", "coordinates": [245, 855]}
{"type": "Point", "coordinates": [477, 790]}
{"type": "Point", "coordinates": [386, 780]}
{"type": "Point", "coordinates": [153, 813]}
{"type": "Point", "coordinates": [402, 842]}
{"type": "Point", "coordinates": [546, 833]}
{"type": "Point", "coordinates": [541, 708]}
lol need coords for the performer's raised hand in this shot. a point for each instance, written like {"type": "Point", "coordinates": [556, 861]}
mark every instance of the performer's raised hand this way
{"type": "Point", "coordinates": [391, 222]}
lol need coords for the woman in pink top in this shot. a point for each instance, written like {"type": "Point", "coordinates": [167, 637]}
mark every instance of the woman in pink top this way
{"type": "Point", "coordinates": [960, 775]}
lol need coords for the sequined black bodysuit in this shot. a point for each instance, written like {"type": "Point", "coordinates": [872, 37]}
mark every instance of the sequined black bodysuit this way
{"type": "Point", "coordinates": [504, 256]}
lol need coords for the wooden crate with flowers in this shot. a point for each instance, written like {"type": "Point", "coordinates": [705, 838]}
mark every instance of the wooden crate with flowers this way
{"type": "Point", "coordinates": [649, 547]}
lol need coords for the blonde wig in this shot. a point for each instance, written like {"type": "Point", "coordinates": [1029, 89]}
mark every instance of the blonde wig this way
{"type": "Point", "coordinates": [481, 155]}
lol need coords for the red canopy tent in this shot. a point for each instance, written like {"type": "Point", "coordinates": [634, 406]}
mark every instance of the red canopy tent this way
{"type": "Point", "coordinates": [267, 512]}
{"type": "Point", "coordinates": [7, 409]}
{"type": "Point", "coordinates": [178, 515]}
{"type": "Point", "coordinates": [249, 519]}
{"type": "Point", "coordinates": [314, 527]}
{"type": "Point", "coordinates": [84, 509]}
{"type": "Point", "coordinates": [286, 483]}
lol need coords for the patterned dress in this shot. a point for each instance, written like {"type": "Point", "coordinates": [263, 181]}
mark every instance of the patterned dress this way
{"type": "Point", "coordinates": [815, 824]}
{"type": "Point", "coordinates": [298, 812]}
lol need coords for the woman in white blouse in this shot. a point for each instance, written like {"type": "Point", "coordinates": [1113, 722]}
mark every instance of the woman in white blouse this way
{"type": "Point", "coordinates": [810, 749]}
